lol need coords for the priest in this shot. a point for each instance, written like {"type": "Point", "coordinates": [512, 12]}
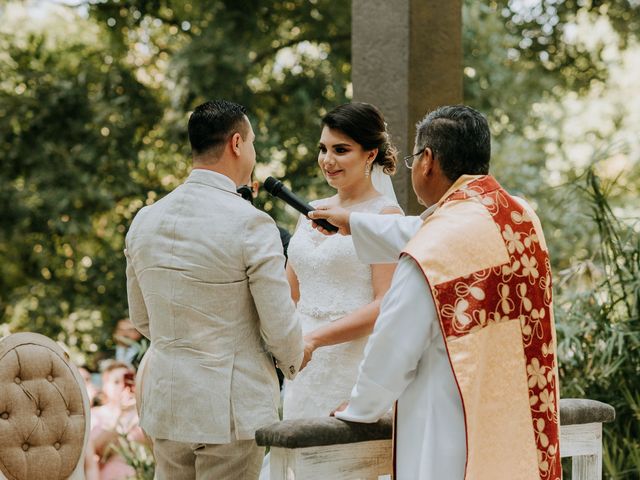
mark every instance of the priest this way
{"type": "Point", "coordinates": [464, 347]}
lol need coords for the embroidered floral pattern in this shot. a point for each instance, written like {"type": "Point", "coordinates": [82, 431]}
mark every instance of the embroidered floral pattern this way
{"type": "Point", "coordinates": [519, 290]}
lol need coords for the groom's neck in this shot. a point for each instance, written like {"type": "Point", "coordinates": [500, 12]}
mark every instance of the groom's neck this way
{"type": "Point", "coordinates": [222, 166]}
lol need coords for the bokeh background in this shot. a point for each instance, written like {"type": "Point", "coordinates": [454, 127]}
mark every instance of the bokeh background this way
{"type": "Point", "coordinates": [94, 102]}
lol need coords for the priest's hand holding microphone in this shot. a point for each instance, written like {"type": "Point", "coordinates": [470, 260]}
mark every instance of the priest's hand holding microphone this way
{"type": "Point", "coordinates": [335, 216]}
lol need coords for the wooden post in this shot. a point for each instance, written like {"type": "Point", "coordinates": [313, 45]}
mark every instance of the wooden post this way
{"type": "Point", "coordinates": [583, 443]}
{"type": "Point", "coordinates": [406, 60]}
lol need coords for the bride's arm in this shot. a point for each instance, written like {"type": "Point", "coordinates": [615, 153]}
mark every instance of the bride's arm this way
{"type": "Point", "coordinates": [291, 274]}
{"type": "Point", "coordinates": [293, 283]}
{"type": "Point", "coordinates": [360, 322]}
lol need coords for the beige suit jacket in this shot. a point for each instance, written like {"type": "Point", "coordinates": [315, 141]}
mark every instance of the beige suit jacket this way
{"type": "Point", "coordinates": [206, 284]}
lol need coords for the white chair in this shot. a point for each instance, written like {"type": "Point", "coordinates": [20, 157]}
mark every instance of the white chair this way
{"type": "Point", "coordinates": [44, 411]}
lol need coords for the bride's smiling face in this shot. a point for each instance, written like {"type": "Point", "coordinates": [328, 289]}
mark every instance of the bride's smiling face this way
{"type": "Point", "coordinates": [342, 159]}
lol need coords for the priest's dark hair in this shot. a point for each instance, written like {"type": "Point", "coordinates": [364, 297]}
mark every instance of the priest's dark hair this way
{"type": "Point", "coordinates": [212, 123]}
{"type": "Point", "coordinates": [459, 138]}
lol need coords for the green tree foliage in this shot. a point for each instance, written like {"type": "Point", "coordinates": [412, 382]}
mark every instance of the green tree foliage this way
{"type": "Point", "coordinates": [72, 119]}
{"type": "Point", "coordinates": [94, 103]}
{"type": "Point", "coordinates": [598, 321]}
{"type": "Point", "coordinates": [93, 124]}
{"type": "Point", "coordinates": [518, 62]}
{"type": "Point", "coordinates": [287, 60]}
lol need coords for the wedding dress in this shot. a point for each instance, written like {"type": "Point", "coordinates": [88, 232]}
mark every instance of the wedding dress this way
{"type": "Point", "coordinates": [333, 283]}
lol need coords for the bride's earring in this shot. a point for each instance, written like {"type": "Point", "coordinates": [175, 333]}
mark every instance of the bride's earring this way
{"type": "Point", "coordinates": [367, 170]}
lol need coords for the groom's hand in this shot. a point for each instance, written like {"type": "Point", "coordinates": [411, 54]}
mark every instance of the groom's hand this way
{"type": "Point", "coordinates": [334, 215]}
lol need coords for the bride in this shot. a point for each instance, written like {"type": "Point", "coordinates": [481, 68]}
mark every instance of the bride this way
{"type": "Point", "coordinates": [337, 296]}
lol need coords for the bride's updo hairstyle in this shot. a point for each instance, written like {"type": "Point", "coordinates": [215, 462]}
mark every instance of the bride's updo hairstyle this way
{"type": "Point", "coordinates": [364, 123]}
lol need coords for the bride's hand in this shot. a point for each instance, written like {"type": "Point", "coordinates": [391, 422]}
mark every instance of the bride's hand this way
{"type": "Point", "coordinates": [335, 215]}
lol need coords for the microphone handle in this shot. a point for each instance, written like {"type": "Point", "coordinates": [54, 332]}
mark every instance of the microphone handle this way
{"type": "Point", "coordinates": [296, 202]}
{"type": "Point", "coordinates": [304, 208]}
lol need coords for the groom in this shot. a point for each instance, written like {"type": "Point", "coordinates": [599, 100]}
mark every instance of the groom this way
{"type": "Point", "coordinates": [465, 339]}
{"type": "Point", "coordinates": [205, 284]}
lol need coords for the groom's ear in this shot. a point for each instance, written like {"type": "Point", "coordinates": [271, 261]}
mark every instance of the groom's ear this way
{"type": "Point", "coordinates": [235, 142]}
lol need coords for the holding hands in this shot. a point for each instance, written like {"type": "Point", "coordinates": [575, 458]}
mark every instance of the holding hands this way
{"type": "Point", "coordinates": [309, 348]}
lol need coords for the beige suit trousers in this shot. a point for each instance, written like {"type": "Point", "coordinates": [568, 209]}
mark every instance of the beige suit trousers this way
{"type": "Point", "coordinates": [239, 460]}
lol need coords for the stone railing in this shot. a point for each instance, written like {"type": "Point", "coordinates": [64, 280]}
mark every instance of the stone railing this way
{"type": "Point", "coordinates": [321, 448]}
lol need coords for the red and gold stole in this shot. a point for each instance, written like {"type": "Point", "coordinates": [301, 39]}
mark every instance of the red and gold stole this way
{"type": "Point", "coordinates": [484, 257]}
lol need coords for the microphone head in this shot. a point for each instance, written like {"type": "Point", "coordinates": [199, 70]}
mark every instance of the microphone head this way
{"type": "Point", "coordinates": [272, 185]}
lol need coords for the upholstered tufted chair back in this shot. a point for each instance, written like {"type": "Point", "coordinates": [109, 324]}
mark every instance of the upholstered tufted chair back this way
{"type": "Point", "coordinates": [44, 411]}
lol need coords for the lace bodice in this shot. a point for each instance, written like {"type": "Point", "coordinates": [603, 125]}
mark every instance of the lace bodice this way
{"type": "Point", "coordinates": [333, 283]}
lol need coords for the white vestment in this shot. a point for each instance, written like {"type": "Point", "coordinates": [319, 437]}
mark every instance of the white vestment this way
{"type": "Point", "coordinates": [406, 360]}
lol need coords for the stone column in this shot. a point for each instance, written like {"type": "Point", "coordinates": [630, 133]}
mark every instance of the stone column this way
{"type": "Point", "coordinates": [407, 60]}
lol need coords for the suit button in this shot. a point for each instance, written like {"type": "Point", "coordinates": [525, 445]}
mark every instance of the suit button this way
{"type": "Point", "coordinates": [25, 446]}
{"type": "Point", "coordinates": [56, 445]}
{"type": "Point", "coordinates": [4, 415]}
{"type": "Point", "coordinates": [38, 412]}
{"type": "Point", "coordinates": [17, 380]}
{"type": "Point", "coordinates": [50, 378]}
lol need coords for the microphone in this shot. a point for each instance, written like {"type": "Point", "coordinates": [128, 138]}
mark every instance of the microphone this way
{"type": "Point", "coordinates": [277, 189]}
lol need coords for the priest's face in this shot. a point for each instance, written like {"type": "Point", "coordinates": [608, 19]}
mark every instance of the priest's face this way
{"type": "Point", "coordinates": [343, 160]}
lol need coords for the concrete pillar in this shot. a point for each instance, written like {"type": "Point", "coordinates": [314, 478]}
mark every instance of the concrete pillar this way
{"type": "Point", "coordinates": [406, 60]}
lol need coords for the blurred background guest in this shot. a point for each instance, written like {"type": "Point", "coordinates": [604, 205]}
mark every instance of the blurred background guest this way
{"type": "Point", "coordinates": [115, 422]}
{"type": "Point", "coordinates": [127, 340]}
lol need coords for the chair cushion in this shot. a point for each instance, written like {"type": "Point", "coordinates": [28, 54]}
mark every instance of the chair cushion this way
{"type": "Point", "coordinates": [42, 413]}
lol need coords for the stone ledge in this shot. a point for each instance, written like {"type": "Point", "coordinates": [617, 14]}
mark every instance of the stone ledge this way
{"type": "Point", "coordinates": [578, 411]}
{"type": "Point", "coordinates": [315, 432]}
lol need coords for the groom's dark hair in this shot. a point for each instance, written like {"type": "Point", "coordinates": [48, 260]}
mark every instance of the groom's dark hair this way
{"type": "Point", "coordinates": [212, 123]}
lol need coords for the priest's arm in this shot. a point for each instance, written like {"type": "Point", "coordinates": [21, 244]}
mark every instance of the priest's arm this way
{"type": "Point", "coordinates": [381, 238]}
{"type": "Point", "coordinates": [378, 238]}
{"type": "Point", "coordinates": [403, 331]}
